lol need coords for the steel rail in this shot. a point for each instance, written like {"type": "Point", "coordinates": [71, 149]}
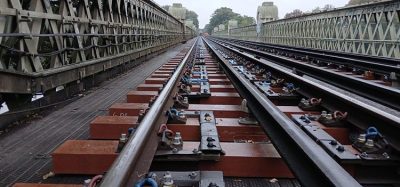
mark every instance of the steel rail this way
{"type": "Point", "coordinates": [361, 114]}
{"type": "Point", "coordinates": [384, 95]}
{"type": "Point", "coordinates": [311, 165]}
{"type": "Point", "coordinates": [123, 167]}
{"type": "Point", "coordinates": [377, 64]}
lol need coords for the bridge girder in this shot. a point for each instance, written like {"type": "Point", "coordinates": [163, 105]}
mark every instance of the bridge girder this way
{"type": "Point", "coordinates": [372, 29]}
{"type": "Point", "coordinates": [68, 40]}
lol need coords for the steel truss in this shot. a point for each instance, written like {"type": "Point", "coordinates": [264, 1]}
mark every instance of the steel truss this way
{"type": "Point", "coordinates": [48, 34]}
{"type": "Point", "coordinates": [372, 29]}
{"type": "Point", "coordinates": [51, 36]}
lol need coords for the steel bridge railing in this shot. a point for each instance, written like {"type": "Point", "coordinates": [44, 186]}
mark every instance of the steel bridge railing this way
{"type": "Point", "coordinates": [50, 37]}
{"type": "Point", "coordinates": [371, 29]}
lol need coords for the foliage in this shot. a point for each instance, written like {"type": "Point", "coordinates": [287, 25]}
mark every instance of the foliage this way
{"type": "Point", "coordinates": [358, 2]}
{"type": "Point", "coordinates": [245, 21]}
{"type": "Point", "coordinates": [328, 7]}
{"type": "Point", "coordinates": [316, 10]}
{"type": "Point", "coordinates": [220, 16]}
{"type": "Point", "coordinates": [223, 15]}
{"type": "Point", "coordinates": [297, 12]}
{"type": "Point", "coordinates": [191, 15]}
{"type": "Point", "coordinates": [294, 13]}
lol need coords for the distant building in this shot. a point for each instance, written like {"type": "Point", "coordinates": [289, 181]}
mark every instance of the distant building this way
{"type": "Point", "coordinates": [178, 11]}
{"type": "Point", "coordinates": [232, 24]}
{"type": "Point", "coordinates": [215, 29]}
{"type": "Point", "coordinates": [221, 27]}
{"type": "Point", "coordinates": [267, 12]}
{"type": "Point", "coordinates": [190, 24]}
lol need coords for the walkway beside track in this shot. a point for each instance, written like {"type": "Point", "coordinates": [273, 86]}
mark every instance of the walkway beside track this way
{"type": "Point", "coordinates": [25, 152]}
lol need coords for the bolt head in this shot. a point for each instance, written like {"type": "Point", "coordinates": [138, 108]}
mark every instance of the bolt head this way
{"type": "Point", "coordinates": [340, 148]}
{"type": "Point", "coordinates": [210, 139]}
{"type": "Point", "coordinates": [213, 184]}
{"type": "Point", "coordinates": [210, 145]}
{"type": "Point", "coordinates": [333, 142]}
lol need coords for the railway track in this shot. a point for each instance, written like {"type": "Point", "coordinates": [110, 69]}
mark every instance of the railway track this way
{"type": "Point", "coordinates": [355, 122]}
{"type": "Point", "coordinates": [208, 118]}
{"type": "Point", "coordinates": [381, 65]}
{"type": "Point", "coordinates": [372, 77]}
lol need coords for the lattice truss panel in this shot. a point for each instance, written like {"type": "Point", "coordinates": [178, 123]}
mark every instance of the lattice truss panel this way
{"type": "Point", "coordinates": [245, 33]}
{"type": "Point", "coordinates": [372, 29]}
{"type": "Point", "coordinates": [40, 35]}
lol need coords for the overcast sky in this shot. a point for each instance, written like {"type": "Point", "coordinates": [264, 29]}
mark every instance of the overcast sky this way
{"type": "Point", "coordinates": [204, 8]}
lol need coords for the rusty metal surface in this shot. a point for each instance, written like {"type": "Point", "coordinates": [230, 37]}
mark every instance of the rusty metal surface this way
{"type": "Point", "coordinates": [90, 157]}
{"type": "Point", "coordinates": [140, 96]}
{"type": "Point", "coordinates": [127, 109]}
{"type": "Point", "coordinates": [216, 88]}
{"type": "Point", "coordinates": [221, 98]}
{"type": "Point", "coordinates": [242, 159]}
{"type": "Point", "coordinates": [111, 127]}
{"type": "Point", "coordinates": [25, 150]}
{"type": "Point", "coordinates": [220, 111]}
{"type": "Point", "coordinates": [149, 87]}
{"type": "Point", "coordinates": [229, 130]}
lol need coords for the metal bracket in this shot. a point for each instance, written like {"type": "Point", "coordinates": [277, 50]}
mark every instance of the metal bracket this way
{"type": "Point", "coordinates": [209, 143]}
{"type": "Point", "coordinates": [265, 87]}
{"type": "Point", "coordinates": [205, 89]}
{"type": "Point", "coordinates": [202, 81]}
{"type": "Point", "coordinates": [193, 178]}
{"type": "Point", "coordinates": [200, 61]}
{"type": "Point", "coordinates": [330, 144]}
{"type": "Point", "coordinates": [246, 73]}
{"type": "Point", "coordinates": [209, 146]}
{"type": "Point", "coordinates": [233, 62]}
{"type": "Point", "coordinates": [203, 75]}
{"type": "Point", "coordinates": [250, 76]}
{"type": "Point", "coordinates": [212, 179]}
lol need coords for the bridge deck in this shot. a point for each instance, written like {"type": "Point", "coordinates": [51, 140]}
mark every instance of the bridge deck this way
{"type": "Point", "coordinates": [26, 150]}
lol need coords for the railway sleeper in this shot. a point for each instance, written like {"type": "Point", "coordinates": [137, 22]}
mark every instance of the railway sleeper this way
{"type": "Point", "coordinates": [355, 149]}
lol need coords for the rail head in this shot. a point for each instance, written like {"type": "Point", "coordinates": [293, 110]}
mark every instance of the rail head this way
{"type": "Point", "coordinates": [378, 63]}
{"type": "Point", "coordinates": [386, 122]}
{"type": "Point", "coordinates": [123, 167]}
{"type": "Point", "coordinates": [382, 94]}
{"type": "Point", "coordinates": [309, 162]}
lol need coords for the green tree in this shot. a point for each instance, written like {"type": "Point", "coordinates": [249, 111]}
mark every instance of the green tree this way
{"type": "Point", "coordinates": [328, 7]}
{"type": "Point", "coordinates": [220, 16]}
{"type": "Point", "coordinates": [223, 15]}
{"type": "Point", "coordinates": [294, 13]}
{"type": "Point", "coordinates": [191, 15]}
{"type": "Point", "coordinates": [316, 10]}
{"type": "Point", "coordinates": [245, 21]}
{"type": "Point", "coordinates": [358, 2]}
{"type": "Point", "coordinates": [205, 29]}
